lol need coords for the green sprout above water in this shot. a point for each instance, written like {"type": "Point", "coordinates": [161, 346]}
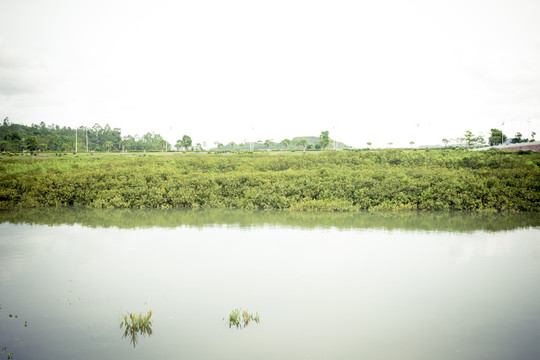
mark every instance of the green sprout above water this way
{"type": "Point", "coordinates": [241, 318]}
{"type": "Point", "coordinates": [135, 325]}
{"type": "Point", "coordinates": [10, 354]}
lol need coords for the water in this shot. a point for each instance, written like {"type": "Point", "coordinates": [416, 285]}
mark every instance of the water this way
{"type": "Point", "coordinates": [326, 286]}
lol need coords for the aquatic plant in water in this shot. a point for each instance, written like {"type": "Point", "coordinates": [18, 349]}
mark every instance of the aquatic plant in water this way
{"type": "Point", "coordinates": [241, 318]}
{"type": "Point", "coordinates": [135, 325]}
{"type": "Point", "coordinates": [4, 348]}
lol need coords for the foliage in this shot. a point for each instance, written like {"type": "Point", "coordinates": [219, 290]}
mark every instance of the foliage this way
{"type": "Point", "coordinates": [135, 325]}
{"type": "Point", "coordinates": [471, 140]}
{"type": "Point", "coordinates": [519, 138]}
{"type": "Point", "coordinates": [324, 139]}
{"type": "Point", "coordinates": [497, 137]}
{"type": "Point", "coordinates": [18, 138]}
{"type": "Point", "coordinates": [186, 142]}
{"type": "Point", "coordinates": [241, 318]}
{"type": "Point", "coordinates": [321, 181]}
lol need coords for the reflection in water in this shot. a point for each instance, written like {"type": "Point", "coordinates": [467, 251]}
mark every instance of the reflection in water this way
{"type": "Point", "coordinates": [246, 219]}
{"type": "Point", "coordinates": [241, 318]}
{"type": "Point", "coordinates": [135, 325]}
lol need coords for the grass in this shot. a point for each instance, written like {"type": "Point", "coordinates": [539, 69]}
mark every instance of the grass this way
{"type": "Point", "coordinates": [240, 318]}
{"type": "Point", "coordinates": [135, 325]}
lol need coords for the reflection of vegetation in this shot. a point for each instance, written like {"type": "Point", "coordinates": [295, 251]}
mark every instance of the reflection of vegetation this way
{"type": "Point", "coordinates": [135, 325]}
{"type": "Point", "coordinates": [378, 180]}
{"type": "Point", "coordinates": [241, 318]}
{"type": "Point", "coordinates": [199, 218]}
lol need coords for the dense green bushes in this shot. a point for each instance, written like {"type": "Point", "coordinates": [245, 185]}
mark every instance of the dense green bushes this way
{"type": "Point", "coordinates": [333, 181]}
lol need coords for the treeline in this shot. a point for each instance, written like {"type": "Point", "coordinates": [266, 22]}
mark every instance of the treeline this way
{"type": "Point", "coordinates": [329, 181]}
{"type": "Point", "coordinates": [21, 138]}
{"type": "Point", "coordinates": [300, 142]}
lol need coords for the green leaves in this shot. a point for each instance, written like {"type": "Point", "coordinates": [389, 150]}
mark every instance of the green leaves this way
{"type": "Point", "coordinates": [327, 181]}
{"type": "Point", "coordinates": [240, 318]}
{"type": "Point", "coordinates": [135, 325]}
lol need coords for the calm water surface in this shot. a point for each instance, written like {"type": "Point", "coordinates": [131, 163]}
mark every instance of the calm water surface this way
{"type": "Point", "coordinates": [326, 286]}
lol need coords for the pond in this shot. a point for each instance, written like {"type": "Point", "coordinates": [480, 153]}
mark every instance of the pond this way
{"type": "Point", "coordinates": [321, 286]}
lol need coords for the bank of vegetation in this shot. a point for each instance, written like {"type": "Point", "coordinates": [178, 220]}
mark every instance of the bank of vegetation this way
{"type": "Point", "coordinates": [329, 180]}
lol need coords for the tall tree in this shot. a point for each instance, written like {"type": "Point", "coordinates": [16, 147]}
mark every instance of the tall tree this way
{"type": "Point", "coordinates": [324, 139]}
{"type": "Point", "coordinates": [31, 143]}
{"type": "Point", "coordinates": [186, 142]}
{"type": "Point", "coordinates": [286, 143]}
{"type": "Point", "coordinates": [518, 139]}
{"type": "Point", "coordinates": [470, 139]}
{"type": "Point", "coordinates": [497, 137]}
{"type": "Point", "coordinates": [302, 143]}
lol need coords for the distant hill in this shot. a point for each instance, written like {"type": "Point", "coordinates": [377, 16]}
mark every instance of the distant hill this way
{"type": "Point", "coordinates": [312, 143]}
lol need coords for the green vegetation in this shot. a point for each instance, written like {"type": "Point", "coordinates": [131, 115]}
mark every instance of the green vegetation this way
{"type": "Point", "coordinates": [297, 143]}
{"type": "Point", "coordinates": [241, 318]}
{"type": "Point", "coordinates": [4, 348]}
{"type": "Point", "coordinates": [321, 181]}
{"type": "Point", "coordinates": [16, 138]}
{"type": "Point", "coordinates": [497, 137]}
{"type": "Point", "coordinates": [135, 325]}
{"type": "Point", "coordinates": [324, 139]}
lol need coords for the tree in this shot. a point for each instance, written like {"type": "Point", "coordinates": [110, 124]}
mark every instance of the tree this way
{"type": "Point", "coordinates": [411, 143]}
{"type": "Point", "coordinates": [497, 137]}
{"type": "Point", "coordinates": [369, 143]}
{"type": "Point", "coordinates": [286, 143]}
{"type": "Point", "coordinates": [178, 144]}
{"type": "Point", "coordinates": [108, 145]}
{"type": "Point", "coordinates": [470, 139]}
{"type": "Point", "coordinates": [31, 143]}
{"type": "Point", "coordinates": [302, 143]}
{"type": "Point", "coordinates": [324, 139]}
{"type": "Point", "coordinates": [186, 142]}
{"type": "Point", "coordinates": [219, 145]}
{"type": "Point", "coordinates": [532, 136]}
{"type": "Point", "coordinates": [3, 145]}
{"type": "Point", "coordinates": [518, 139]}
{"type": "Point", "coordinates": [445, 141]}
{"type": "Point", "coordinates": [267, 143]}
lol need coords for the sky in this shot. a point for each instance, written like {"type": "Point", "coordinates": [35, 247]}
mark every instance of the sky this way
{"type": "Point", "coordinates": [217, 70]}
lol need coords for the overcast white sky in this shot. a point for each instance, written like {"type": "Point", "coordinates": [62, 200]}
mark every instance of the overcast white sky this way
{"type": "Point", "coordinates": [380, 71]}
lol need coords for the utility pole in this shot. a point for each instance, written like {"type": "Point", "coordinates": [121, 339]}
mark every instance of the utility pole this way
{"type": "Point", "coordinates": [502, 139]}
